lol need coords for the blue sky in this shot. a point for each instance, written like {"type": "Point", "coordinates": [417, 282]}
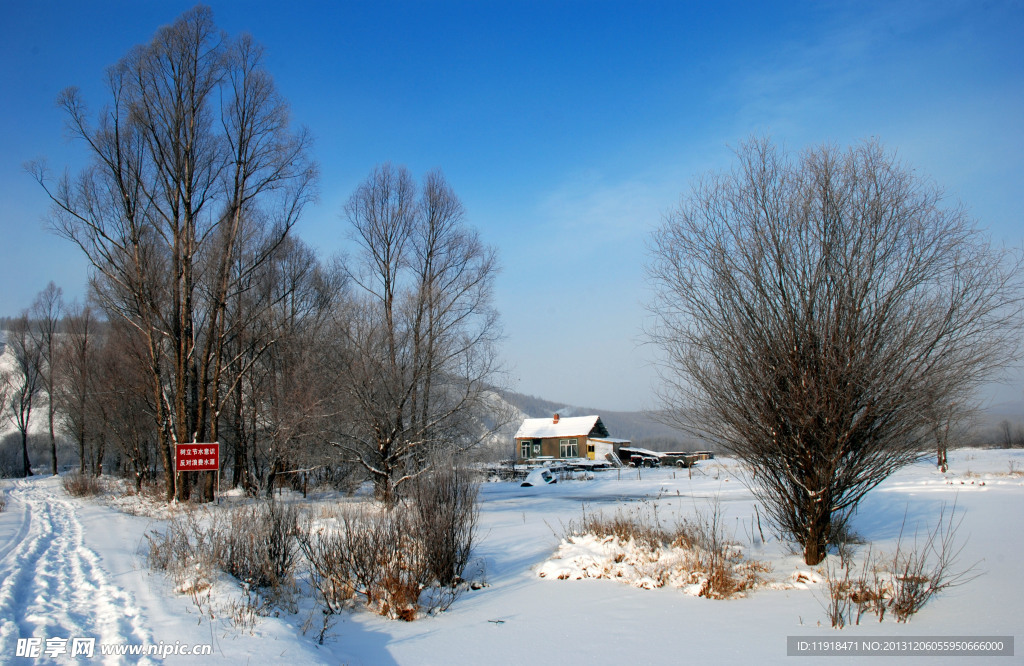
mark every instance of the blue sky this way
{"type": "Point", "coordinates": [567, 128]}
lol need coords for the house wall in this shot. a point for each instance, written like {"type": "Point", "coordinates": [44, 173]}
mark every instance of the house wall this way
{"type": "Point", "coordinates": [551, 447]}
{"type": "Point", "coordinates": [601, 449]}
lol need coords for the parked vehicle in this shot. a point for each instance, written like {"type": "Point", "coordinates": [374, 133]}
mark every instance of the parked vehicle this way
{"type": "Point", "coordinates": [679, 458]}
{"type": "Point", "coordinates": [539, 477]}
{"type": "Point", "coordinates": [637, 457]}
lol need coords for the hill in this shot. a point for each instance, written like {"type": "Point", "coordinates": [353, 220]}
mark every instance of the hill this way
{"type": "Point", "coordinates": [641, 428]}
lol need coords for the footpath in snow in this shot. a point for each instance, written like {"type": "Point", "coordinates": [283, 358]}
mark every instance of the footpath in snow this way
{"type": "Point", "coordinates": [52, 584]}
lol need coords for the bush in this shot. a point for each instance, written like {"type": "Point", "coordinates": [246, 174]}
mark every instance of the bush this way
{"type": "Point", "coordinates": [444, 505]}
{"type": "Point", "coordinates": [81, 485]}
{"type": "Point", "coordinates": [389, 556]}
{"type": "Point", "coordinates": [11, 464]}
{"type": "Point", "coordinates": [902, 583]}
{"type": "Point", "coordinates": [255, 544]}
{"type": "Point", "coordinates": [186, 542]}
{"type": "Point", "coordinates": [371, 552]}
{"type": "Point", "coordinates": [259, 548]}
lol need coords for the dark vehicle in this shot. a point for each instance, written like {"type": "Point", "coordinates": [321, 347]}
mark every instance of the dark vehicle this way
{"type": "Point", "coordinates": [639, 457]}
{"type": "Point", "coordinates": [679, 458]}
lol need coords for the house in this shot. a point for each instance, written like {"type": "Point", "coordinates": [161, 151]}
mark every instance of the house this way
{"type": "Point", "coordinates": [562, 438]}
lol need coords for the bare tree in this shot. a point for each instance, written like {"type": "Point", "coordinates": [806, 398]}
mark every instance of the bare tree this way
{"type": "Point", "coordinates": [122, 412]}
{"type": "Point", "coordinates": [1006, 433]}
{"type": "Point", "coordinates": [283, 395]}
{"type": "Point", "coordinates": [949, 418]}
{"type": "Point", "coordinates": [193, 149]}
{"type": "Point", "coordinates": [24, 382]}
{"type": "Point", "coordinates": [47, 311]}
{"type": "Point", "coordinates": [814, 311]}
{"type": "Point", "coordinates": [76, 390]}
{"type": "Point", "coordinates": [418, 335]}
{"type": "Point", "coordinates": [5, 393]}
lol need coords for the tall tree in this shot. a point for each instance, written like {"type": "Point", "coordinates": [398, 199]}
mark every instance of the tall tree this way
{"type": "Point", "coordinates": [193, 148]}
{"type": "Point", "coordinates": [283, 391]}
{"type": "Point", "coordinates": [816, 313]}
{"type": "Point", "coordinates": [25, 381]}
{"type": "Point", "coordinates": [77, 391]}
{"type": "Point", "coordinates": [47, 311]}
{"type": "Point", "coordinates": [418, 334]}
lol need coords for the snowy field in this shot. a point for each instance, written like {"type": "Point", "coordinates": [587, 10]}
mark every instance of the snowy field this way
{"type": "Point", "coordinates": [74, 568]}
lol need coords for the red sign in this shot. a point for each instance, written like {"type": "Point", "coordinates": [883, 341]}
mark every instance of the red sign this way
{"type": "Point", "coordinates": [197, 457]}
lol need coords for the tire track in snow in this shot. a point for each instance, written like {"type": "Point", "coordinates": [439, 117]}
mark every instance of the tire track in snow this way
{"type": "Point", "coordinates": [52, 585]}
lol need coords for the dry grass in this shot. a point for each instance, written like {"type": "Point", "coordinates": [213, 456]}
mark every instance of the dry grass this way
{"type": "Point", "coordinates": [702, 551]}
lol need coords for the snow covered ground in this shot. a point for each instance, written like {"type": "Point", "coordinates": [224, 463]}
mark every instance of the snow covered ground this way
{"type": "Point", "coordinates": [73, 568]}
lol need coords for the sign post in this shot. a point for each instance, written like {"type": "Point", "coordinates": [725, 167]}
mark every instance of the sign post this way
{"type": "Point", "coordinates": [197, 457]}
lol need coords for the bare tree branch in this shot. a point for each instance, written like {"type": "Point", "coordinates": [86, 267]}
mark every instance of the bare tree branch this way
{"type": "Point", "coordinates": [817, 313]}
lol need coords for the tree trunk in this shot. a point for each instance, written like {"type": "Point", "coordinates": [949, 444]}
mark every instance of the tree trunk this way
{"type": "Point", "coordinates": [53, 437]}
{"type": "Point", "coordinates": [81, 449]}
{"type": "Point", "coordinates": [26, 465]}
{"type": "Point", "coordinates": [816, 543]}
{"type": "Point", "coordinates": [271, 480]}
{"type": "Point", "coordinates": [100, 450]}
{"type": "Point", "coordinates": [384, 488]}
{"type": "Point", "coordinates": [184, 486]}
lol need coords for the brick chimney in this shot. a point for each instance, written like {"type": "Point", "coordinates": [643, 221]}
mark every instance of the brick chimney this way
{"type": "Point", "coordinates": [555, 419]}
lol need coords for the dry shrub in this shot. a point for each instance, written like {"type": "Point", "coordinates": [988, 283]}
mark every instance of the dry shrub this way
{"type": "Point", "coordinates": [902, 583]}
{"type": "Point", "coordinates": [259, 547]}
{"type": "Point", "coordinates": [445, 513]}
{"type": "Point", "coordinates": [81, 485]}
{"type": "Point", "coordinates": [189, 540]}
{"type": "Point", "coordinates": [368, 551]}
{"type": "Point", "coordinates": [154, 489]}
{"type": "Point", "coordinates": [389, 556]}
{"type": "Point", "coordinates": [255, 544]}
{"type": "Point", "coordinates": [838, 603]}
{"type": "Point", "coordinates": [327, 552]}
{"type": "Point", "coordinates": [929, 566]}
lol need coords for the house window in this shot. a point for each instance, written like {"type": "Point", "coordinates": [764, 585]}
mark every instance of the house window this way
{"type": "Point", "coordinates": [536, 447]}
{"type": "Point", "coordinates": [568, 448]}
{"type": "Point", "coordinates": [524, 449]}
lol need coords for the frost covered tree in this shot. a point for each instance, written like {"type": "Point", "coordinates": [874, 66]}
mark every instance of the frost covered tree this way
{"type": "Point", "coordinates": [417, 357]}
{"type": "Point", "coordinates": [816, 313]}
{"type": "Point", "coordinates": [193, 152]}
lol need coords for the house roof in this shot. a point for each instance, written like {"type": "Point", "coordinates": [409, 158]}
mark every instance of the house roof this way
{"type": "Point", "coordinates": [573, 426]}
